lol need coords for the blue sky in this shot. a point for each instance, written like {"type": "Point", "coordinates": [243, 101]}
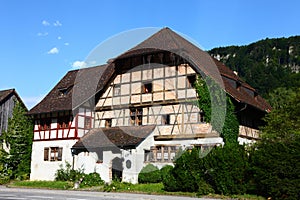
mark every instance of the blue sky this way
{"type": "Point", "coordinates": [42, 40]}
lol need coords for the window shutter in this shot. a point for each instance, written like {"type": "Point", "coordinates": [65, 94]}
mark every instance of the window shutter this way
{"type": "Point", "coordinates": [46, 154]}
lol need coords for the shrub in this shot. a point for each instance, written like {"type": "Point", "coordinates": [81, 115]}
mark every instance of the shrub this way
{"type": "Point", "coordinates": [226, 169]}
{"type": "Point", "coordinates": [68, 174]}
{"type": "Point", "coordinates": [149, 174]}
{"type": "Point", "coordinates": [92, 179]}
{"type": "Point", "coordinates": [4, 180]}
{"type": "Point", "coordinates": [116, 185]}
{"type": "Point", "coordinates": [204, 188]}
{"type": "Point", "coordinates": [165, 171]}
{"type": "Point", "coordinates": [186, 173]}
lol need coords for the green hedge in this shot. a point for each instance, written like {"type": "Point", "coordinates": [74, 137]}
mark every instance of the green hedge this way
{"type": "Point", "coordinates": [149, 174]}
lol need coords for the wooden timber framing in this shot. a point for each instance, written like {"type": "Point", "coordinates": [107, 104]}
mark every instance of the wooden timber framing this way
{"type": "Point", "coordinates": [152, 87]}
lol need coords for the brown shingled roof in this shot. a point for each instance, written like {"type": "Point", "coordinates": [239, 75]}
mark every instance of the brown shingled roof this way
{"type": "Point", "coordinates": [73, 89]}
{"type": "Point", "coordinates": [4, 94]}
{"type": "Point", "coordinates": [163, 40]}
{"type": "Point", "coordinates": [123, 137]}
{"type": "Point", "coordinates": [168, 40]}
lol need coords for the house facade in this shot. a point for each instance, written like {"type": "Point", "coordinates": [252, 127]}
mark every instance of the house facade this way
{"type": "Point", "coordinates": [139, 108]}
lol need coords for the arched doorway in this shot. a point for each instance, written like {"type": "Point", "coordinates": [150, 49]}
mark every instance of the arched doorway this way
{"type": "Point", "coordinates": [117, 169]}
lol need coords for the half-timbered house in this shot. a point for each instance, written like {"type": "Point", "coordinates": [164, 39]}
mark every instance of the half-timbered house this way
{"type": "Point", "coordinates": [139, 108]}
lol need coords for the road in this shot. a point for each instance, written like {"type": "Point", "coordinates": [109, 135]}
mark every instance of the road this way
{"type": "Point", "coordinates": [38, 194]}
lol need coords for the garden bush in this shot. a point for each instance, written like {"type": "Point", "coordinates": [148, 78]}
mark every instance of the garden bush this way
{"type": "Point", "coordinates": [85, 180]}
{"type": "Point", "coordinates": [92, 179]}
{"type": "Point", "coordinates": [165, 171]}
{"type": "Point", "coordinates": [223, 170]}
{"type": "Point", "coordinates": [149, 174]}
{"type": "Point", "coordinates": [186, 173]}
{"type": "Point", "coordinates": [226, 169]}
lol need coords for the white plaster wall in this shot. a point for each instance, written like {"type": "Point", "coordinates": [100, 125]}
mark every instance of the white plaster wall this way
{"type": "Point", "coordinates": [45, 170]}
{"type": "Point", "coordinates": [137, 159]}
{"type": "Point", "coordinates": [87, 161]}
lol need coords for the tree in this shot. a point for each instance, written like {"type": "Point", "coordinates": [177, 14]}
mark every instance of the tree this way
{"type": "Point", "coordinates": [275, 160]}
{"type": "Point", "coordinates": [18, 139]}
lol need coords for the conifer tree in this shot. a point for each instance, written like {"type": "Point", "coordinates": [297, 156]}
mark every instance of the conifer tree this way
{"type": "Point", "coordinates": [18, 138]}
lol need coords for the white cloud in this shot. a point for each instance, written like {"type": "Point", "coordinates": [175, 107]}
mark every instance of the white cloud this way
{"type": "Point", "coordinates": [45, 23]}
{"type": "Point", "coordinates": [57, 23]}
{"type": "Point", "coordinates": [53, 51]}
{"type": "Point", "coordinates": [79, 64]}
{"type": "Point", "coordinates": [42, 34]}
{"type": "Point", "coordinates": [67, 44]}
{"type": "Point", "coordinates": [59, 38]}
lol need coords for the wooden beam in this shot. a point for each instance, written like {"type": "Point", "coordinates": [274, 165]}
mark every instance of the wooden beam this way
{"type": "Point", "coordinates": [186, 136]}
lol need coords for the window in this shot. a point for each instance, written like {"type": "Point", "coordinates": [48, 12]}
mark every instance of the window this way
{"type": "Point", "coordinates": [161, 154]}
{"type": "Point", "coordinates": [53, 153]}
{"type": "Point", "coordinates": [64, 91]}
{"type": "Point", "coordinates": [117, 90]}
{"type": "Point", "coordinates": [63, 122]}
{"type": "Point", "coordinates": [146, 88]}
{"type": "Point", "coordinates": [45, 124]}
{"type": "Point", "coordinates": [201, 116]}
{"type": "Point", "coordinates": [88, 122]}
{"type": "Point", "coordinates": [108, 123]}
{"type": "Point", "coordinates": [165, 119]}
{"type": "Point", "coordinates": [136, 116]}
{"type": "Point", "coordinates": [191, 80]}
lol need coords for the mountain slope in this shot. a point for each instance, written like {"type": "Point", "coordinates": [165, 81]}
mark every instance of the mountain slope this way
{"type": "Point", "coordinates": [266, 64]}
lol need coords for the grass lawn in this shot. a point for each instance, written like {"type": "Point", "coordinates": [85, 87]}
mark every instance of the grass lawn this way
{"type": "Point", "coordinates": [151, 188]}
{"type": "Point", "coordinates": [61, 185]}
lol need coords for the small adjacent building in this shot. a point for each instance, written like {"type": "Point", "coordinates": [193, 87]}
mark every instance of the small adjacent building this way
{"type": "Point", "coordinates": [8, 100]}
{"type": "Point", "coordinates": [139, 108]}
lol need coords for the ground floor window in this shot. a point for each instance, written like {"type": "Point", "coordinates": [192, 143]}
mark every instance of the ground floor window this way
{"type": "Point", "coordinates": [53, 153]}
{"type": "Point", "coordinates": [161, 154]}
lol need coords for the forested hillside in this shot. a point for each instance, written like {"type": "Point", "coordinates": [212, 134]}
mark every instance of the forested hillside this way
{"type": "Point", "coordinates": [266, 64]}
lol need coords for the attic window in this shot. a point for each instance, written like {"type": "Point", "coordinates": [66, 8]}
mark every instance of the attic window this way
{"type": "Point", "coordinates": [64, 91]}
{"type": "Point", "coordinates": [147, 88]}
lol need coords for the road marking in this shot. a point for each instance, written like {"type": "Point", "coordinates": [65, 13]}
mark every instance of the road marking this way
{"type": "Point", "coordinates": [40, 197]}
{"type": "Point", "coordinates": [75, 199]}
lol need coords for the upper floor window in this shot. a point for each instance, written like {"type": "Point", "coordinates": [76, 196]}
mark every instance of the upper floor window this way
{"type": "Point", "coordinates": [136, 116]}
{"type": "Point", "coordinates": [146, 88]}
{"type": "Point", "coordinates": [88, 122]}
{"type": "Point", "coordinates": [165, 119]}
{"type": "Point", "coordinates": [117, 90]}
{"type": "Point", "coordinates": [201, 116]}
{"type": "Point", "coordinates": [45, 124]}
{"type": "Point", "coordinates": [191, 80]}
{"type": "Point", "coordinates": [108, 123]}
{"type": "Point", "coordinates": [63, 122]}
